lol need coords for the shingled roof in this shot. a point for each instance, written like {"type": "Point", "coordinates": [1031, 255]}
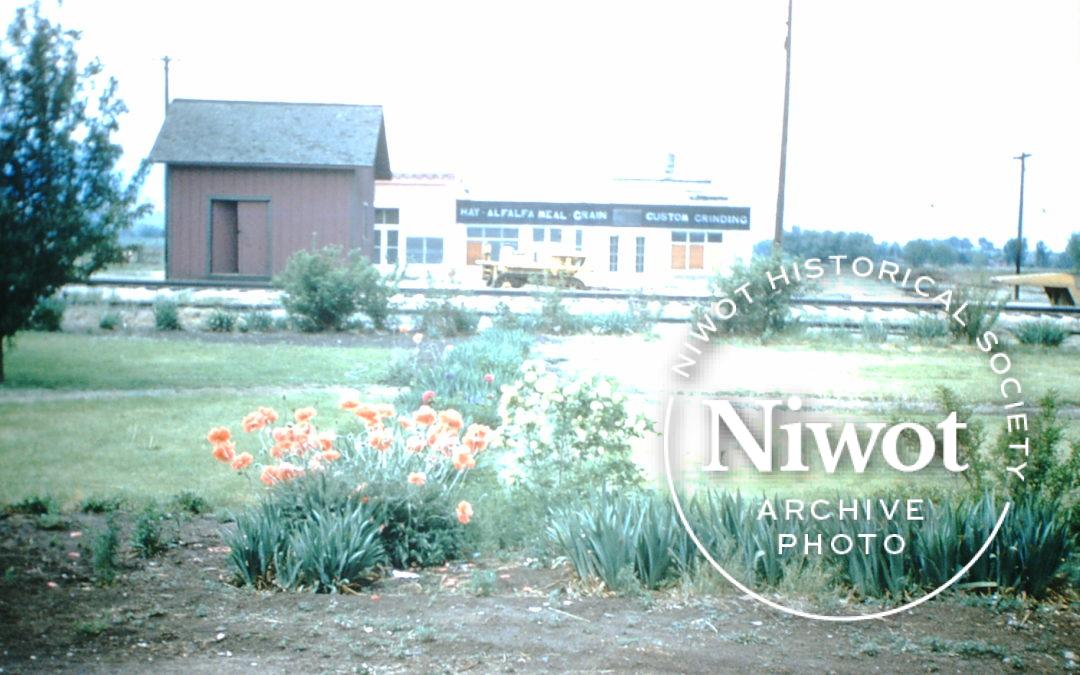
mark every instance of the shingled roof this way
{"type": "Point", "coordinates": [251, 133]}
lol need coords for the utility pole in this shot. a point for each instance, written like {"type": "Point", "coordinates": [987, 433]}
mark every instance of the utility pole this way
{"type": "Point", "coordinates": [778, 235]}
{"type": "Point", "coordinates": [165, 60]}
{"type": "Point", "coordinates": [1020, 222]}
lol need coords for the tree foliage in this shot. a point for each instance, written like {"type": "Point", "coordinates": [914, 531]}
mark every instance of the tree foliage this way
{"type": "Point", "coordinates": [62, 203]}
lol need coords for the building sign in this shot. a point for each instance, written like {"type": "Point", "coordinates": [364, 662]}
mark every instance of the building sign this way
{"type": "Point", "coordinates": [618, 215]}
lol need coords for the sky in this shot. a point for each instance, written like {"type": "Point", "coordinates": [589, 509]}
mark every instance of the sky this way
{"type": "Point", "coordinates": [905, 117]}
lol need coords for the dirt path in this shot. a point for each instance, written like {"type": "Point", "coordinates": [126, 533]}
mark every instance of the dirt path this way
{"type": "Point", "coordinates": [177, 614]}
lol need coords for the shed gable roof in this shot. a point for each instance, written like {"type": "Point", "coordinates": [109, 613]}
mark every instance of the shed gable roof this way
{"type": "Point", "coordinates": [250, 133]}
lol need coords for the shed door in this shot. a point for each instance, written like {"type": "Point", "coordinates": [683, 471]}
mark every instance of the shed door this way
{"type": "Point", "coordinates": [223, 235]}
{"type": "Point", "coordinates": [253, 233]}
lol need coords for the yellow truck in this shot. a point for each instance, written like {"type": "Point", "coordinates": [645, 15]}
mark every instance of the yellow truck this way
{"type": "Point", "coordinates": [518, 269]}
{"type": "Point", "coordinates": [1060, 287]}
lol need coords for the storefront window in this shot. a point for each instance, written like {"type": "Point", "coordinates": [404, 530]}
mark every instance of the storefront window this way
{"type": "Point", "coordinates": [424, 250]}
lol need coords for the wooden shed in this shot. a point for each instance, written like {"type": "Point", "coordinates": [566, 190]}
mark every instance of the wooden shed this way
{"type": "Point", "coordinates": [247, 184]}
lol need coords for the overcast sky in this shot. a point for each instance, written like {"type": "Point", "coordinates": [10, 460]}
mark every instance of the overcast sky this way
{"type": "Point", "coordinates": [905, 116]}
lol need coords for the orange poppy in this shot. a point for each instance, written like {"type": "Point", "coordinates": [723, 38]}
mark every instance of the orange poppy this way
{"type": "Point", "coordinates": [269, 414]}
{"type": "Point", "coordinates": [381, 439]}
{"type": "Point", "coordinates": [225, 452]}
{"type": "Point", "coordinates": [218, 435]}
{"type": "Point", "coordinates": [330, 455]}
{"type": "Point", "coordinates": [463, 459]}
{"type": "Point", "coordinates": [417, 478]}
{"type": "Point", "coordinates": [424, 415]}
{"type": "Point", "coordinates": [464, 512]}
{"type": "Point", "coordinates": [267, 476]}
{"type": "Point", "coordinates": [304, 414]}
{"type": "Point", "coordinates": [242, 461]}
{"type": "Point", "coordinates": [451, 418]}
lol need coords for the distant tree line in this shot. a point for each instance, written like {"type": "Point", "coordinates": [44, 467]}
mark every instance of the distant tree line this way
{"type": "Point", "coordinates": [802, 243]}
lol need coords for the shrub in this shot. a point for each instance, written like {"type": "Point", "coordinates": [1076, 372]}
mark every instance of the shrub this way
{"type": "Point", "coordinates": [446, 319]}
{"type": "Point", "coordinates": [323, 289]}
{"type": "Point", "coordinates": [33, 505]}
{"type": "Point", "coordinates": [572, 436]}
{"type": "Point", "coordinates": [220, 321]}
{"type": "Point", "coordinates": [1052, 470]}
{"type": "Point", "coordinates": [101, 504]}
{"type": "Point", "coordinates": [928, 327]}
{"type": "Point", "coordinates": [982, 312]}
{"type": "Point", "coordinates": [47, 314]}
{"type": "Point", "coordinates": [465, 376]}
{"type": "Point", "coordinates": [189, 502]}
{"type": "Point", "coordinates": [874, 331]}
{"type": "Point", "coordinates": [104, 549]}
{"type": "Point", "coordinates": [109, 321]}
{"type": "Point", "coordinates": [770, 311]}
{"type": "Point", "coordinates": [1045, 332]}
{"type": "Point", "coordinates": [406, 472]}
{"type": "Point", "coordinates": [257, 321]}
{"type": "Point", "coordinates": [146, 534]}
{"type": "Point", "coordinates": [166, 315]}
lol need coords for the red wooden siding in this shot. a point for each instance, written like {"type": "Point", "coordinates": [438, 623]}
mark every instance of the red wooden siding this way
{"type": "Point", "coordinates": [278, 211]}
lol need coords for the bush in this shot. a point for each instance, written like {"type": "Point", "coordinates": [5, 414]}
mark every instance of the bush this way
{"type": "Point", "coordinates": [445, 319]}
{"type": "Point", "coordinates": [322, 290]}
{"type": "Point", "coordinates": [770, 312]}
{"type": "Point", "coordinates": [1045, 332]}
{"type": "Point", "coordinates": [404, 472]}
{"type": "Point", "coordinates": [189, 502]}
{"type": "Point", "coordinates": [980, 315]}
{"type": "Point", "coordinates": [101, 504]}
{"type": "Point", "coordinates": [48, 314]}
{"type": "Point", "coordinates": [109, 321]}
{"type": "Point", "coordinates": [567, 437]}
{"type": "Point", "coordinates": [220, 321]}
{"type": "Point", "coordinates": [104, 549]}
{"type": "Point", "coordinates": [146, 534]}
{"type": "Point", "coordinates": [257, 321]}
{"type": "Point", "coordinates": [166, 315]}
{"type": "Point", "coordinates": [875, 332]}
{"type": "Point", "coordinates": [32, 506]}
{"type": "Point", "coordinates": [465, 376]}
{"type": "Point", "coordinates": [928, 327]}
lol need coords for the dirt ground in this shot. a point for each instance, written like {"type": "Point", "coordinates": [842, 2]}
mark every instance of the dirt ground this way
{"type": "Point", "coordinates": [177, 613]}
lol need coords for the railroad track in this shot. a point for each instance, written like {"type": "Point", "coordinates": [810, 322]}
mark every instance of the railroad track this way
{"type": "Point", "coordinates": [910, 305]}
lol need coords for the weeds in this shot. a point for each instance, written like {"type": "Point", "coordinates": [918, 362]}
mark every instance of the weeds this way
{"type": "Point", "coordinates": [146, 537]}
{"type": "Point", "coordinates": [167, 315]}
{"type": "Point", "coordinates": [220, 321]}
{"type": "Point", "coordinates": [105, 550]}
{"type": "Point", "coordinates": [1045, 333]}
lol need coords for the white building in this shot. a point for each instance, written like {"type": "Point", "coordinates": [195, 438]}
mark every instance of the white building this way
{"type": "Point", "coordinates": [632, 233]}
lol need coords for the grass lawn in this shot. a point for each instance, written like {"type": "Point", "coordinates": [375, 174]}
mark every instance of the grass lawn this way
{"type": "Point", "coordinates": [150, 444]}
{"type": "Point", "coordinates": [140, 448]}
{"type": "Point", "coordinates": [897, 371]}
{"type": "Point", "coordinates": [73, 361]}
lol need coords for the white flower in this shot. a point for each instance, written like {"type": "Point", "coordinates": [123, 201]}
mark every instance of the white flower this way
{"type": "Point", "coordinates": [596, 406]}
{"type": "Point", "coordinates": [530, 377]}
{"type": "Point", "coordinates": [546, 384]}
{"type": "Point", "coordinates": [603, 389]}
{"type": "Point", "coordinates": [417, 339]}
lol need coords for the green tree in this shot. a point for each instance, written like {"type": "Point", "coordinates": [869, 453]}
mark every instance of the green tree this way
{"type": "Point", "coordinates": [1072, 251]}
{"type": "Point", "coordinates": [1009, 251]}
{"type": "Point", "coordinates": [1042, 255]}
{"type": "Point", "coordinates": [62, 203]}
